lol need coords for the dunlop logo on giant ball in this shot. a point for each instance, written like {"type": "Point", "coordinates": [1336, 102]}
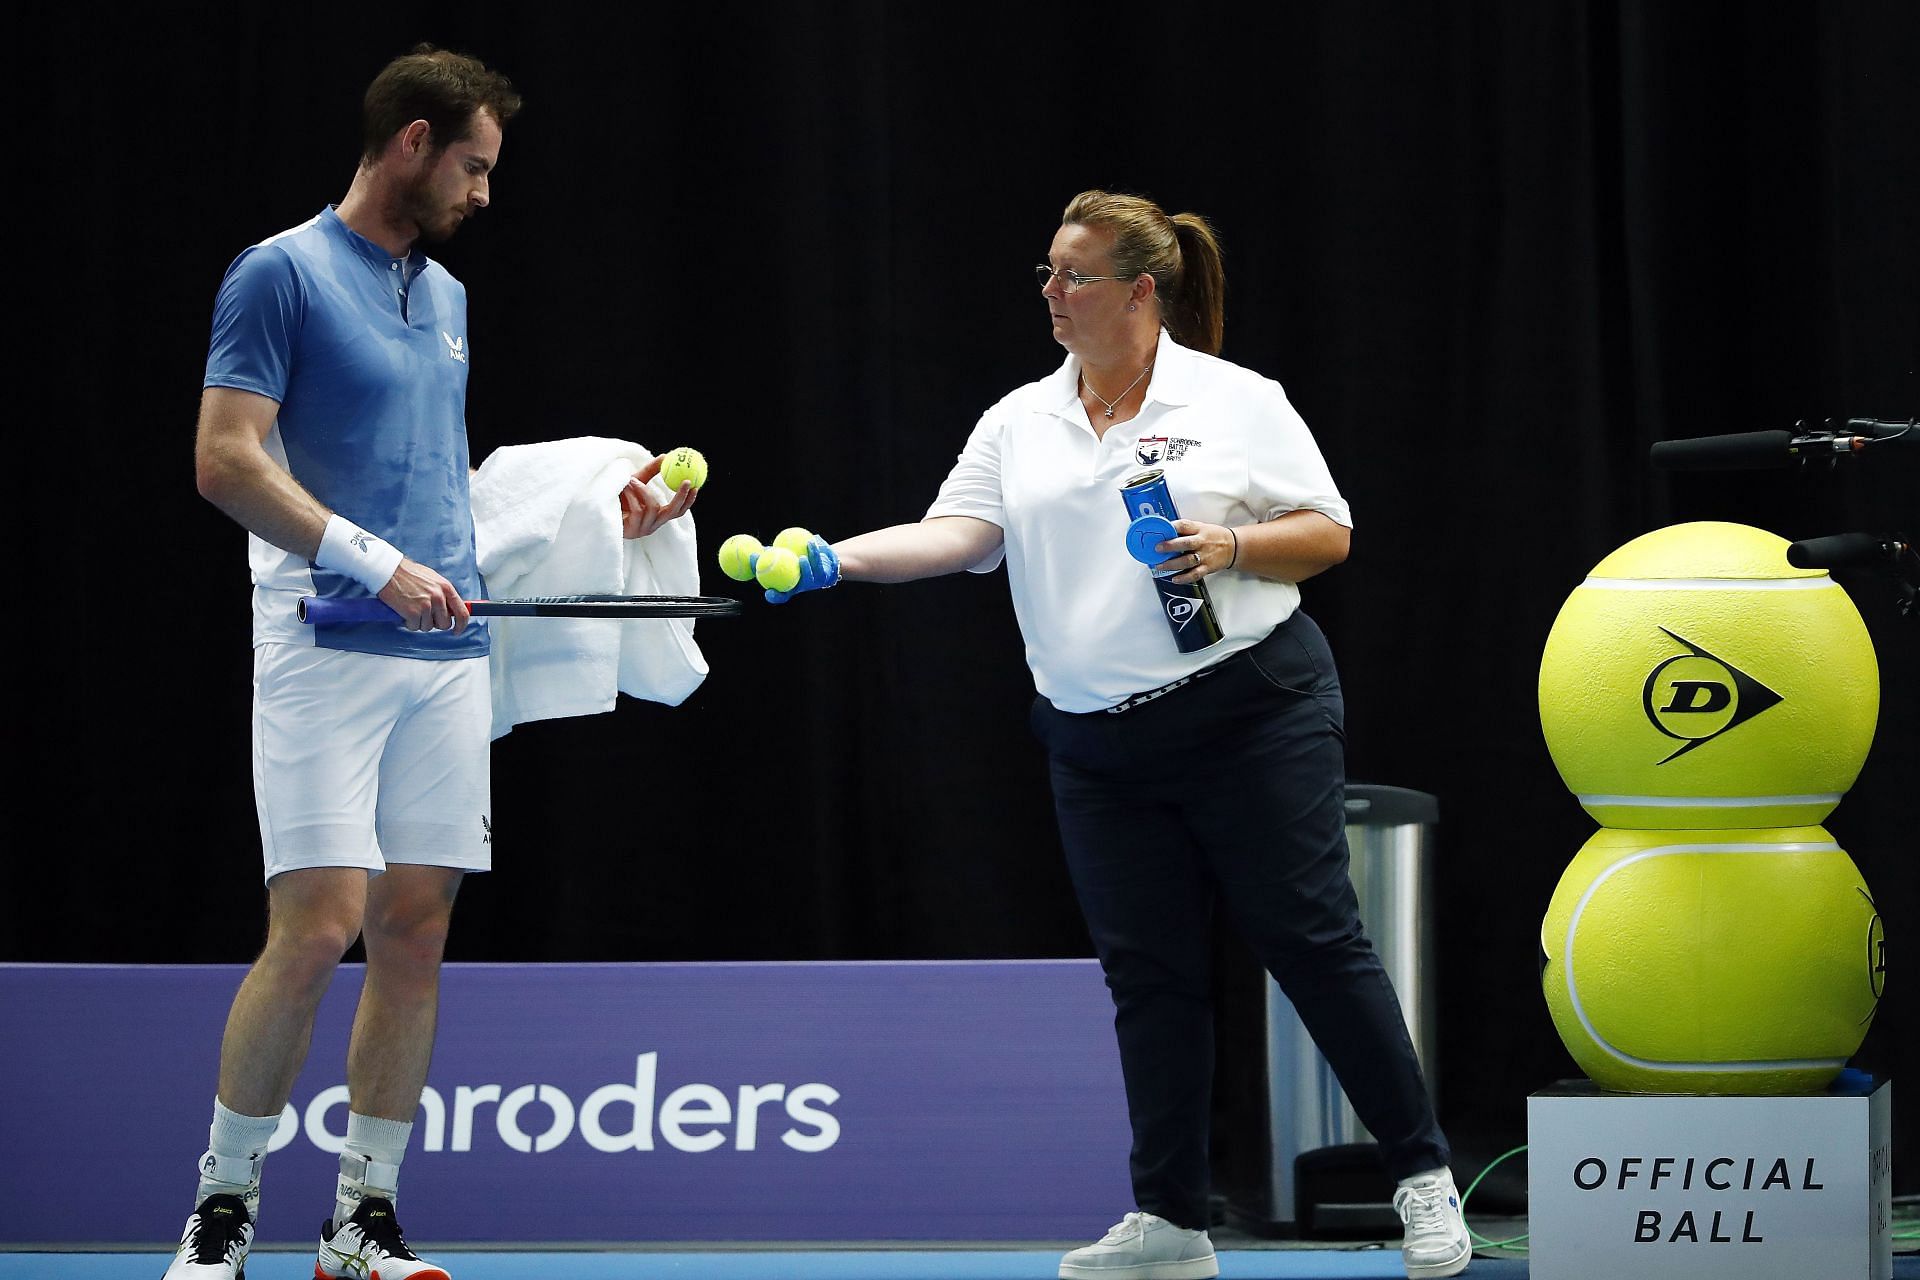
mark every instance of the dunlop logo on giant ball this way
{"type": "Point", "coordinates": [1696, 696]}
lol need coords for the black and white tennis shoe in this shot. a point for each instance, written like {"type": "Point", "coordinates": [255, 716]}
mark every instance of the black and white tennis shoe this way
{"type": "Point", "coordinates": [370, 1244]}
{"type": "Point", "coordinates": [214, 1245]}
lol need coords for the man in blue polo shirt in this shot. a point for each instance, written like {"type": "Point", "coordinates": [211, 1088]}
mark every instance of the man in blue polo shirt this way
{"type": "Point", "coordinates": [333, 427]}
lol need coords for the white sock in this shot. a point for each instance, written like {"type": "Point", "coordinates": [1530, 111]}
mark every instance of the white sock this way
{"type": "Point", "coordinates": [236, 1148]}
{"type": "Point", "coordinates": [370, 1162]}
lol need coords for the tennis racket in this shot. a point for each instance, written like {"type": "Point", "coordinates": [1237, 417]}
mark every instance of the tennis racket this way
{"type": "Point", "coordinates": [318, 612]}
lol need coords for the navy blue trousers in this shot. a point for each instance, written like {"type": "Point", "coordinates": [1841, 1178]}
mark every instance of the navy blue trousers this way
{"type": "Point", "coordinates": [1229, 787]}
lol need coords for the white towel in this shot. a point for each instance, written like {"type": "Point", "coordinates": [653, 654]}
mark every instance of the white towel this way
{"type": "Point", "coordinates": [546, 522]}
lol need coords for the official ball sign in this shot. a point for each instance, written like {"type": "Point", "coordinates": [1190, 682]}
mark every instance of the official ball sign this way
{"type": "Point", "coordinates": [1710, 1188]}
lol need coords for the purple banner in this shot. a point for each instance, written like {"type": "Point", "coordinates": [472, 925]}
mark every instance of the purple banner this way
{"type": "Point", "coordinates": [870, 1101]}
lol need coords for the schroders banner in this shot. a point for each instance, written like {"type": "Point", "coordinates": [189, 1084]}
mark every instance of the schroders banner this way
{"type": "Point", "coordinates": [585, 1102]}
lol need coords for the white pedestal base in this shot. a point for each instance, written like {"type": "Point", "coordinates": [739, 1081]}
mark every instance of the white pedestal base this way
{"type": "Point", "coordinates": [1710, 1188]}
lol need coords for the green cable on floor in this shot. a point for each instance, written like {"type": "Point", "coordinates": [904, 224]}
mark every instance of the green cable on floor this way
{"type": "Point", "coordinates": [1485, 1243]}
{"type": "Point", "coordinates": [1905, 1219]}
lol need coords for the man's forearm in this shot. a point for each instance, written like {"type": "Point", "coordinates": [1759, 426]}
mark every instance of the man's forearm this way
{"type": "Point", "coordinates": [239, 478]}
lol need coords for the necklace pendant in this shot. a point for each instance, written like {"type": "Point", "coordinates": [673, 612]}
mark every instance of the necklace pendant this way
{"type": "Point", "coordinates": [1109, 413]}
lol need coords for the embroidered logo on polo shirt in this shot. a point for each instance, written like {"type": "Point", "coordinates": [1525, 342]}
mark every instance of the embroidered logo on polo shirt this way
{"type": "Point", "coordinates": [456, 347]}
{"type": "Point", "coordinates": [1152, 449]}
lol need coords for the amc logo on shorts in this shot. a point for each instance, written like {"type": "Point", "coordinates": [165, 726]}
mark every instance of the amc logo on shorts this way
{"type": "Point", "coordinates": [1695, 696]}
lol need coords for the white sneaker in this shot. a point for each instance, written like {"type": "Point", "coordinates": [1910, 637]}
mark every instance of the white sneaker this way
{"type": "Point", "coordinates": [1143, 1247]}
{"type": "Point", "coordinates": [370, 1246]}
{"type": "Point", "coordinates": [214, 1245]}
{"type": "Point", "coordinates": [1437, 1243]}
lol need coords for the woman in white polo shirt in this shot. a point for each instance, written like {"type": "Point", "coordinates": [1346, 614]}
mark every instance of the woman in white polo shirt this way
{"type": "Point", "coordinates": [1135, 298]}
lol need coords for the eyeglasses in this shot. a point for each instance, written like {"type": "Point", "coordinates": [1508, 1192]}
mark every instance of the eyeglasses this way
{"type": "Point", "coordinates": [1072, 279]}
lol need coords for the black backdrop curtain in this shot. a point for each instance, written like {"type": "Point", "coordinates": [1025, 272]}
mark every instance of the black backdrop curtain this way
{"type": "Point", "coordinates": [1492, 251]}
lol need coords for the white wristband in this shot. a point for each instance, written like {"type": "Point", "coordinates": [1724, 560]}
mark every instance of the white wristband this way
{"type": "Point", "coordinates": [348, 549]}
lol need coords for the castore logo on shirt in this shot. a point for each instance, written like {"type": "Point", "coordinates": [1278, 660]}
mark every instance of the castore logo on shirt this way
{"type": "Point", "coordinates": [456, 347]}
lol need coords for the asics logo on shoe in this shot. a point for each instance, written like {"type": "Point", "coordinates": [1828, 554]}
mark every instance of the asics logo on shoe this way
{"type": "Point", "coordinates": [359, 1262]}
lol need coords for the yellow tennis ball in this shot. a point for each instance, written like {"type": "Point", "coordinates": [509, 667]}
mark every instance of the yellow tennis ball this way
{"type": "Point", "coordinates": [1696, 679]}
{"type": "Point", "coordinates": [736, 556]}
{"type": "Point", "coordinates": [794, 539]}
{"type": "Point", "coordinates": [684, 465]}
{"type": "Point", "coordinates": [1730, 961]}
{"type": "Point", "coordinates": [779, 569]}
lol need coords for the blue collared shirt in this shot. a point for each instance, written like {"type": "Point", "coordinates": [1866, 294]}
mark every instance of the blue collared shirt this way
{"type": "Point", "coordinates": [366, 355]}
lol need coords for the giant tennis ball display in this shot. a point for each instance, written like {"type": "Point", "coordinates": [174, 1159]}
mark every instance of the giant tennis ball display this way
{"type": "Point", "coordinates": [1696, 679]}
{"type": "Point", "coordinates": [1730, 961]}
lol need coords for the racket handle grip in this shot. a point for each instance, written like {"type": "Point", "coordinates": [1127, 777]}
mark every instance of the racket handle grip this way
{"type": "Point", "coordinates": [319, 612]}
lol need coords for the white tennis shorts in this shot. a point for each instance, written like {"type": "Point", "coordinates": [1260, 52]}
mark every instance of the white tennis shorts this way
{"type": "Point", "coordinates": [361, 760]}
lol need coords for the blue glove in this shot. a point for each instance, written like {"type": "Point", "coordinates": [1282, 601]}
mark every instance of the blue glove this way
{"type": "Point", "coordinates": [819, 569]}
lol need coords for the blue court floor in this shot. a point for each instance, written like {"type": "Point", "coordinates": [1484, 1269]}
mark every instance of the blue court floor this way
{"type": "Point", "coordinates": [1289, 1263]}
{"type": "Point", "coordinates": [812, 1264]}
